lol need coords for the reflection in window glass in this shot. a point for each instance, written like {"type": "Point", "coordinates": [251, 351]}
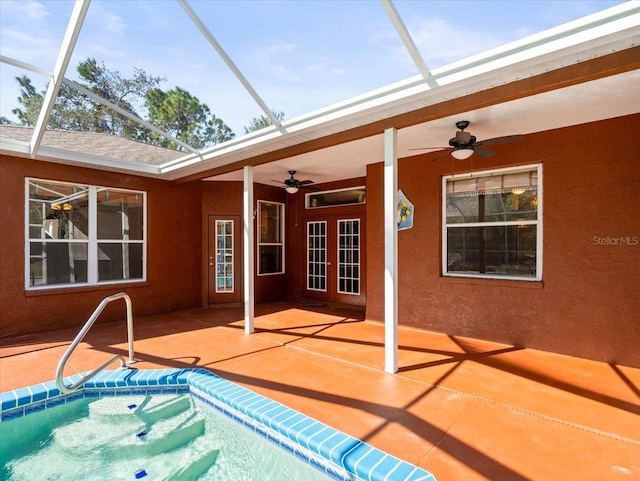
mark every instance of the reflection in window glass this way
{"type": "Point", "coordinates": [119, 261]}
{"type": "Point", "coordinates": [69, 244]}
{"type": "Point", "coordinates": [57, 263]}
{"type": "Point", "coordinates": [119, 215]}
{"type": "Point", "coordinates": [349, 256]}
{"type": "Point", "coordinates": [317, 256]}
{"type": "Point", "coordinates": [270, 238]}
{"type": "Point", "coordinates": [224, 256]}
{"type": "Point", "coordinates": [492, 226]}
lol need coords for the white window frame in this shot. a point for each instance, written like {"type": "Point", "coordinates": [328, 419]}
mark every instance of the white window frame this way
{"type": "Point", "coordinates": [282, 239]}
{"type": "Point", "coordinates": [92, 241]}
{"type": "Point", "coordinates": [352, 263]}
{"type": "Point", "coordinates": [538, 222]}
{"type": "Point", "coordinates": [224, 289]}
{"type": "Point", "coordinates": [326, 277]}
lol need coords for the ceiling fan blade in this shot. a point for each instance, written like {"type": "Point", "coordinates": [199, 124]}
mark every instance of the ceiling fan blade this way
{"type": "Point", "coordinates": [501, 140]}
{"type": "Point", "coordinates": [442, 155]}
{"type": "Point", "coordinates": [484, 152]}
{"type": "Point", "coordinates": [429, 148]}
{"type": "Point", "coordinates": [305, 182]}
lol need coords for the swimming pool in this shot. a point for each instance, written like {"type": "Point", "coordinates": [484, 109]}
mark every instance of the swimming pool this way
{"type": "Point", "coordinates": [332, 452]}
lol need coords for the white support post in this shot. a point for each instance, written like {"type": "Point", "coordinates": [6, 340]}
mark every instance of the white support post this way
{"type": "Point", "coordinates": [78, 15]}
{"type": "Point", "coordinates": [390, 252]}
{"type": "Point", "coordinates": [248, 292]}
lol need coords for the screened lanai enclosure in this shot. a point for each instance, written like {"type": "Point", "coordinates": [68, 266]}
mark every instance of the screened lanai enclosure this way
{"type": "Point", "coordinates": [457, 167]}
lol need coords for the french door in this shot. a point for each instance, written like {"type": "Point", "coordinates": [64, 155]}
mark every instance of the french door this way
{"type": "Point", "coordinates": [224, 258]}
{"type": "Point", "coordinates": [335, 260]}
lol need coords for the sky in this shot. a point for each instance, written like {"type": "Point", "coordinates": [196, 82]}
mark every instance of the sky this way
{"type": "Point", "coordinates": [299, 55]}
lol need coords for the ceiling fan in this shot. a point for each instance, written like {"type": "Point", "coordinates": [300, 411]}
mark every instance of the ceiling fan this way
{"type": "Point", "coordinates": [463, 145]}
{"type": "Point", "coordinates": [292, 184]}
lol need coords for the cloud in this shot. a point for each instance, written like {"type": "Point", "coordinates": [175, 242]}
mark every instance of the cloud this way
{"type": "Point", "coordinates": [441, 42]}
{"type": "Point", "coordinates": [25, 9]}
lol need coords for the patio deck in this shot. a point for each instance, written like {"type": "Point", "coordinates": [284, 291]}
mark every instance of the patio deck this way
{"type": "Point", "coordinates": [461, 408]}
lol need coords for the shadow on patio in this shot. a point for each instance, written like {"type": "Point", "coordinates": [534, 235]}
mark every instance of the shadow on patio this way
{"type": "Point", "coordinates": [460, 408]}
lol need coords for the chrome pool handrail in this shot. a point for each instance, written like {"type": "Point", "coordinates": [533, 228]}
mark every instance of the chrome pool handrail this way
{"type": "Point", "coordinates": [63, 360]}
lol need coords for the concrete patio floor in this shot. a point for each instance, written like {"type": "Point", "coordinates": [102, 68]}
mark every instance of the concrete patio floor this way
{"type": "Point", "coordinates": [460, 408]}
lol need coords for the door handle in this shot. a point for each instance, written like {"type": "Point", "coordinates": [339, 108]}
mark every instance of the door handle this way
{"type": "Point", "coordinates": [328, 263]}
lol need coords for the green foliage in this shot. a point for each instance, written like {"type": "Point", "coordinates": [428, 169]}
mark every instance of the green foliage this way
{"type": "Point", "coordinates": [261, 122]}
{"type": "Point", "coordinates": [30, 99]}
{"type": "Point", "coordinates": [176, 111]}
{"type": "Point", "coordinates": [182, 115]}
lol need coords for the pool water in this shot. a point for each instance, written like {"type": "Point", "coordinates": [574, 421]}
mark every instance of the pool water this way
{"type": "Point", "coordinates": [159, 437]}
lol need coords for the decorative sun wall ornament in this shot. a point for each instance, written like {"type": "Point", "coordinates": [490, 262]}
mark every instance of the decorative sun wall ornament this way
{"type": "Point", "coordinates": [405, 212]}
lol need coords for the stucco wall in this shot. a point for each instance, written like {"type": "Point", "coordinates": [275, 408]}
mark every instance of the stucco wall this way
{"type": "Point", "coordinates": [226, 198]}
{"type": "Point", "coordinates": [588, 303]}
{"type": "Point", "coordinates": [173, 251]}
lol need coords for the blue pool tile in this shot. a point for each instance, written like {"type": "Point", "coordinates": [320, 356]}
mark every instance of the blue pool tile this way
{"type": "Point", "coordinates": [385, 467]}
{"type": "Point", "coordinates": [241, 398]}
{"type": "Point", "coordinates": [337, 473]}
{"type": "Point", "coordinates": [339, 451]}
{"type": "Point", "coordinates": [23, 396]}
{"type": "Point", "coordinates": [39, 392]}
{"type": "Point", "coordinates": [281, 419]}
{"type": "Point", "coordinates": [12, 414]}
{"type": "Point", "coordinates": [257, 411]}
{"type": "Point", "coordinates": [368, 461]}
{"type": "Point", "coordinates": [251, 406]}
{"type": "Point", "coordinates": [9, 400]}
{"type": "Point", "coordinates": [319, 465]}
{"type": "Point", "coordinates": [265, 416]}
{"type": "Point", "coordinates": [303, 435]}
{"type": "Point", "coordinates": [337, 455]}
{"type": "Point", "coordinates": [34, 407]}
{"type": "Point", "coordinates": [313, 442]}
{"type": "Point", "coordinates": [292, 432]}
{"type": "Point", "coordinates": [351, 457]}
{"type": "Point", "coordinates": [420, 475]}
{"type": "Point", "coordinates": [330, 441]}
{"type": "Point", "coordinates": [55, 401]}
{"type": "Point", "coordinates": [291, 424]}
{"type": "Point", "coordinates": [401, 471]}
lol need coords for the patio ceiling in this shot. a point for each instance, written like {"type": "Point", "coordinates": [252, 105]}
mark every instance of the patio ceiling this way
{"type": "Point", "coordinates": [581, 71]}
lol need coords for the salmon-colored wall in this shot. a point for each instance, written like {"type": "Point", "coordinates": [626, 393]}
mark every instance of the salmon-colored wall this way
{"type": "Point", "coordinates": [226, 198]}
{"type": "Point", "coordinates": [173, 252]}
{"type": "Point", "coordinates": [588, 303]}
{"type": "Point", "coordinates": [297, 218]}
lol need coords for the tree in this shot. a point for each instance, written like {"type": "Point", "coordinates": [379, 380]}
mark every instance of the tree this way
{"type": "Point", "coordinates": [111, 86]}
{"type": "Point", "coordinates": [30, 99]}
{"type": "Point", "coordinates": [177, 112]}
{"type": "Point", "coordinates": [182, 115]}
{"type": "Point", "coordinates": [261, 122]}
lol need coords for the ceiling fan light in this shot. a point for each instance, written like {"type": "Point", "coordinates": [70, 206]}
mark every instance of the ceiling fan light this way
{"type": "Point", "coordinates": [462, 154]}
{"type": "Point", "coordinates": [291, 190]}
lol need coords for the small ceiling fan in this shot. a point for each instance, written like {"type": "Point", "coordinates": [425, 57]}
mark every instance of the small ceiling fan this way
{"type": "Point", "coordinates": [463, 145]}
{"type": "Point", "coordinates": [292, 184]}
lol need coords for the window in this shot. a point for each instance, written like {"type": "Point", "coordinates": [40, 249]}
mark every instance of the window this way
{"type": "Point", "coordinates": [83, 235]}
{"type": "Point", "coordinates": [224, 256]}
{"type": "Point", "coordinates": [317, 256]}
{"type": "Point", "coordinates": [349, 256]}
{"type": "Point", "coordinates": [332, 198]}
{"type": "Point", "coordinates": [270, 238]}
{"type": "Point", "coordinates": [492, 224]}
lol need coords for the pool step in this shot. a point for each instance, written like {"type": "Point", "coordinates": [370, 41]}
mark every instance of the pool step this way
{"type": "Point", "coordinates": [132, 439]}
{"type": "Point", "coordinates": [149, 409]}
{"type": "Point", "coordinates": [196, 468]}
